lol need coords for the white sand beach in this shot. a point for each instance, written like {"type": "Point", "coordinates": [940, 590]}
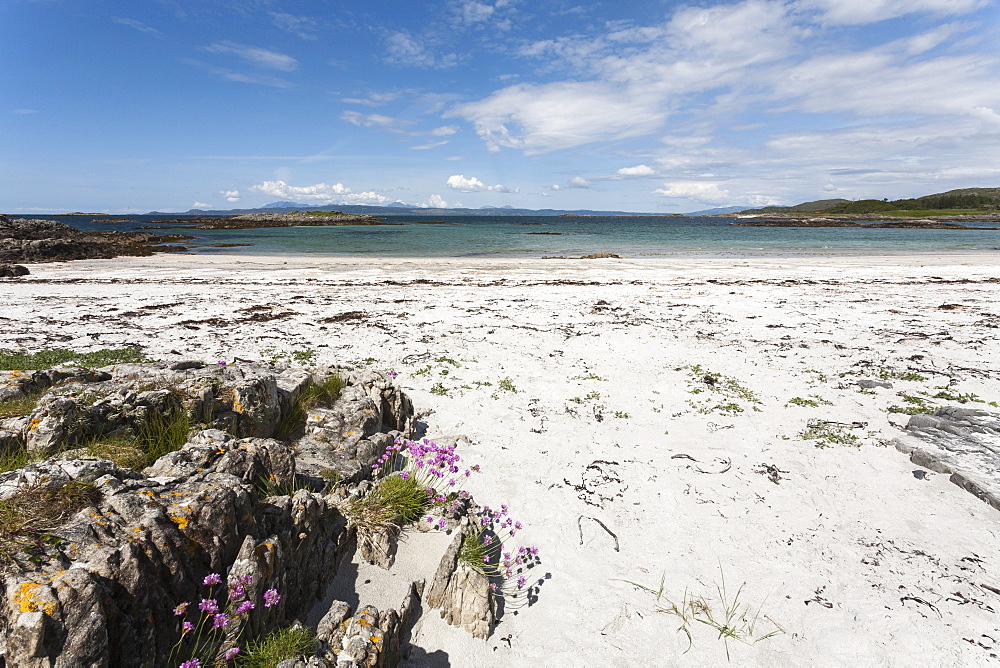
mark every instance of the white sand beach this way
{"type": "Point", "coordinates": [580, 386]}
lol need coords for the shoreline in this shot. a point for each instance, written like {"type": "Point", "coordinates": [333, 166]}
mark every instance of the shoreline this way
{"type": "Point", "coordinates": [579, 385]}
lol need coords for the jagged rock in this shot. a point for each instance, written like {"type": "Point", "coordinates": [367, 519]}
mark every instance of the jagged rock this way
{"type": "Point", "coordinates": [13, 271]}
{"type": "Point", "coordinates": [963, 442]}
{"type": "Point", "coordinates": [600, 255]}
{"type": "Point", "coordinates": [462, 594]}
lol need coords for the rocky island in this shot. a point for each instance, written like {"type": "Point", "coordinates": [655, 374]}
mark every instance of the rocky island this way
{"type": "Point", "coordinates": [252, 221]}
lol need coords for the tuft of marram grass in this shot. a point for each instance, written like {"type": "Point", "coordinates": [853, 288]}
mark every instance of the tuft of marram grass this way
{"type": "Point", "coordinates": [314, 394]}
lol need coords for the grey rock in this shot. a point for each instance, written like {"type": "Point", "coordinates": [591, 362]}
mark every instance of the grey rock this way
{"type": "Point", "coordinates": [13, 271]}
{"type": "Point", "coordinates": [869, 383]}
{"type": "Point", "coordinates": [962, 442]}
{"type": "Point", "coordinates": [461, 594]}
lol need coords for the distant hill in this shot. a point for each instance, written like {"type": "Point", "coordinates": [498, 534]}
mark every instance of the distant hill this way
{"type": "Point", "coordinates": [398, 208]}
{"type": "Point", "coordinates": [963, 198]}
{"type": "Point", "coordinates": [720, 211]}
{"type": "Point", "coordinates": [806, 207]}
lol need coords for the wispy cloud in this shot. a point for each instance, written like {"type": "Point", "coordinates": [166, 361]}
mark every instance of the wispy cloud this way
{"type": "Point", "coordinates": [137, 25]}
{"type": "Point", "coordinates": [429, 145]}
{"type": "Point", "coordinates": [374, 99]}
{"type": "Point", "coordinates": [256, 56]}
{"type": "Point", "coordinates": [231, 75]}
{"type": "Point", "coordinates": [372, 120]}
{"type": "Point", "coordinates": [403, 48]}
{"type": "Point", "coordinates": [305, 27]}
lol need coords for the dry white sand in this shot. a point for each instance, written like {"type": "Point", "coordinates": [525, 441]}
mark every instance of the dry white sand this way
{"type": "Point", "coordinates": [850, 552]}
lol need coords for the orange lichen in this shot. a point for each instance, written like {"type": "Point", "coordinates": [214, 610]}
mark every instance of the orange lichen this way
{"type": "Point", "coordinates": [27, 601]}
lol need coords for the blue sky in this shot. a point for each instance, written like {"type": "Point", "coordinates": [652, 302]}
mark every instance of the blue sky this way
{"type": "Point", "coordinates": [129, 106]}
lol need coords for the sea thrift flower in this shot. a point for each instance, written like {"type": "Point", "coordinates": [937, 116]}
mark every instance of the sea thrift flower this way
{"type": "Point", "coordinates": [441, 524]}
{"type": "Point", "coordinates": [181, 609]}
{"type": "Point", "coordinates": [212, 579]}
{"type": "Point", "coordinates": [193, 663]}
{"type": "Point", "coordinates": [209, 605]}
{"type": "Point", "coordinates": [232, 652]}
{"type": "Point", "coordinates": [220, 620]}
{"type": "Point", "coordinates": [521, 581]}
{"type": "Point", "coordinates": [271, 597]}
{"type": "Point", "coordinates": [187, 627]}
{"type": "Point", "coordinates": [245, 606]}
{"type": "Point", "coordinates": [404, 475]}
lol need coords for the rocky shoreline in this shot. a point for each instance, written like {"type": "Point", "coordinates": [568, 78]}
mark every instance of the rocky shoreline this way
{"type": "Point", "coordinates": [30, 240]}
{"type": "Point", "coordinates": [252, 501]}
{"type": "Point", "coordinates": [876, 221]}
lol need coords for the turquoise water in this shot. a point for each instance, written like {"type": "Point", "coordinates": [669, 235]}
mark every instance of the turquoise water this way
{"type": "Point", "coordinates": [518, 237]}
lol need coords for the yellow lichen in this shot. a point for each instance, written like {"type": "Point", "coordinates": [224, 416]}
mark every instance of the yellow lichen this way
{"type": "Point", "coordinates": [180, 520]}
{"type": "Point", "coordinates": [27, 601]}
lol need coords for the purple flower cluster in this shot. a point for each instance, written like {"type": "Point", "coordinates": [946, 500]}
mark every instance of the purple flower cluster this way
{"type": "Point", "coordinates": [496, 527]}
{"type": "Point", "coordinates": [214, 619]}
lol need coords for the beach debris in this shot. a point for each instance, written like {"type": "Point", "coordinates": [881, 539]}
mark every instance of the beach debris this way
{"type": "Point", "coordinates": [917, 599]}
{"type": "Point", "coordinates": [772, 472]}
{"type": "Point", "coordinates": [579, 524]}
{"type": "Point", "coordinates": [819, 599]}
{"type": "Point", "coordinates": [599, 482]}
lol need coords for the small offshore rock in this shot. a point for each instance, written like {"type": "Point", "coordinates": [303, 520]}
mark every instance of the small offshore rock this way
{"type": "Point", "coordinates": [13, 271]}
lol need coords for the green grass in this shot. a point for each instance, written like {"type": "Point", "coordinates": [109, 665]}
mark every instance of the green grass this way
{"type": "Point", "coordinates": [730, 617]}
{"type": "Point", "coordinates": [393, 501]}
{"type": "Point", "coordinates": [701, 381]}
{"type": "Point", "coordinates": [28, 518]}
{"type": "Point", "coordinates": [439, 390]}
{"type": "Point", "coordinates": [20, 406]}
{"type": "Point", "coordinates": [589, 376]}
{"type": "Point", "coordinates": [46, 359]}
{"type": "Point", "coordinates": [150, 441]}
{"type": "Point", "coordinates": [13, 459]}
{"type": "Point", "coordinates": [799, 401]}
{"type": "Point", "coordinates": [293, 418]}
{"type": "Point", "coordinates": [277, 646]}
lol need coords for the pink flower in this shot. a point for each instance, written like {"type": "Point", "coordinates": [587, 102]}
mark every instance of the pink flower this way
{"type": "Point", "coordinates": [521, 581]}
{"type": "Point", "coordinates": [220, 620]}
{"type": "Point", "coordinates": [232, 652]}
{"type": "Point", "coordinates": [212, 579]}
{"type": "Point", "coordinates": [193, 663]}
{"type": "Point", "coordinates": [404, 475]}
{"type": "Point", "coordinates": [181, 609]}
{"type": "Point", "coordinates": [441, 524]}
{"type": "Point", "coordinates": [245, 606]}
{"type": "Point", "coordinates": [209, 605]}
{"type": "Point", "coordinates": [187, 627]}
{"type": "Point", "coordinates": [271, 597]}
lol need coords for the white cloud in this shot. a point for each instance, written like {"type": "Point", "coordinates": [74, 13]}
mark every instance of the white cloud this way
{"type": "Point", "coordinates": [271, 60]}
{"type": "Point", "coordinates": [321, 193]}
{"type": "Point", "coordinates": [435, 202]}
{"type": "Point", "coordinates": [579, 182]}
{"type": "Point", "coordinates": [428, 145]}
{"type": "Point", "coordinates": [373, 99]}
{"type": "Point", "coordinates": [230, 195]}
{"type": "Point", "coordinates": [137, 25]}
{"type": "Point", "coordinates": [544, 118]}
{"type": "Point", "coordinates": [444, 131]}
{"type": "Point", "coordinates": [638, 171]}
{"type": "Point", "coordinates": [303, 26]}
{"type": "Point", "coordinates": [200, 205]}
{"type": "Point", "coordinates": [473, 12]}
{"type": "Point", "coordinates": [370, 120]}
{"type": "Point", "coordinates": [869, 11]}
{"type": "Point", "coordinates": [402, 48]}
{"type": "Point", "coordinates": [472, 184]}
{"type": "Point", "coordinates": [709, 193]}
{"type": "Point", "coordinates": [229, 75]}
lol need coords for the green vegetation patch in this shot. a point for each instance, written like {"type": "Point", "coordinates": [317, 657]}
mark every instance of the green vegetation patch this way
{"type": "Point", "coordinates": [720, 388]}
{"type": "Point", "coordinates": [293, 419]}
{"type": "Point", "coordinates": [28, 518]}
{"type": "Point", "coordinates": [19, 406]}
{"type": "Point", "coordinates": [277, 646]}
{"type": "Point", "coordinates": [827, 434]}
{"type": "Point", "coordinates": [158, 436]}
{"type": "Point", "coordinates": [46, 359]}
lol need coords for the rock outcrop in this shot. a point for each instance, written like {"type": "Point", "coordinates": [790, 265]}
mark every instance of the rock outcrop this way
{"type": "Point", "coordinates": [29, 240]}
{"type": "Point", "coordinates": [962, 442]}
{"type": "Point", "coordinates": [101, 589]}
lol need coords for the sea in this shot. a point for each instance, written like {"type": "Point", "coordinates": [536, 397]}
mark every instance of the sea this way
{"type": "Point", "coordinates": [554, 236]}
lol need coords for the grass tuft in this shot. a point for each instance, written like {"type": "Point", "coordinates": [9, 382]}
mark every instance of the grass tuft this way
{"type": "Point", "coordinates": [20, 406]}
{"type": "Point", "coordinates": [393, 501]}
{"type": "Point", "coordinates": [293, 419]}
{"type": "Point", "coordinates": [156, 437]}
{"type": "Point", "coordinates": [28, 518]}
{"type": "Point", "coordinates": [277, 646]}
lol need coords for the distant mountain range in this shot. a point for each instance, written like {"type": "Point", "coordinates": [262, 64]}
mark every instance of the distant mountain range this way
{"type": "Point", "coordinates": [399, 208]}
{"type": "Point", "coordinates": [963, 198]}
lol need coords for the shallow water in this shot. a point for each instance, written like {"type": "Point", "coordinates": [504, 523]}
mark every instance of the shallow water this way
{"type": "Point", "coordinates": [539, 236]}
